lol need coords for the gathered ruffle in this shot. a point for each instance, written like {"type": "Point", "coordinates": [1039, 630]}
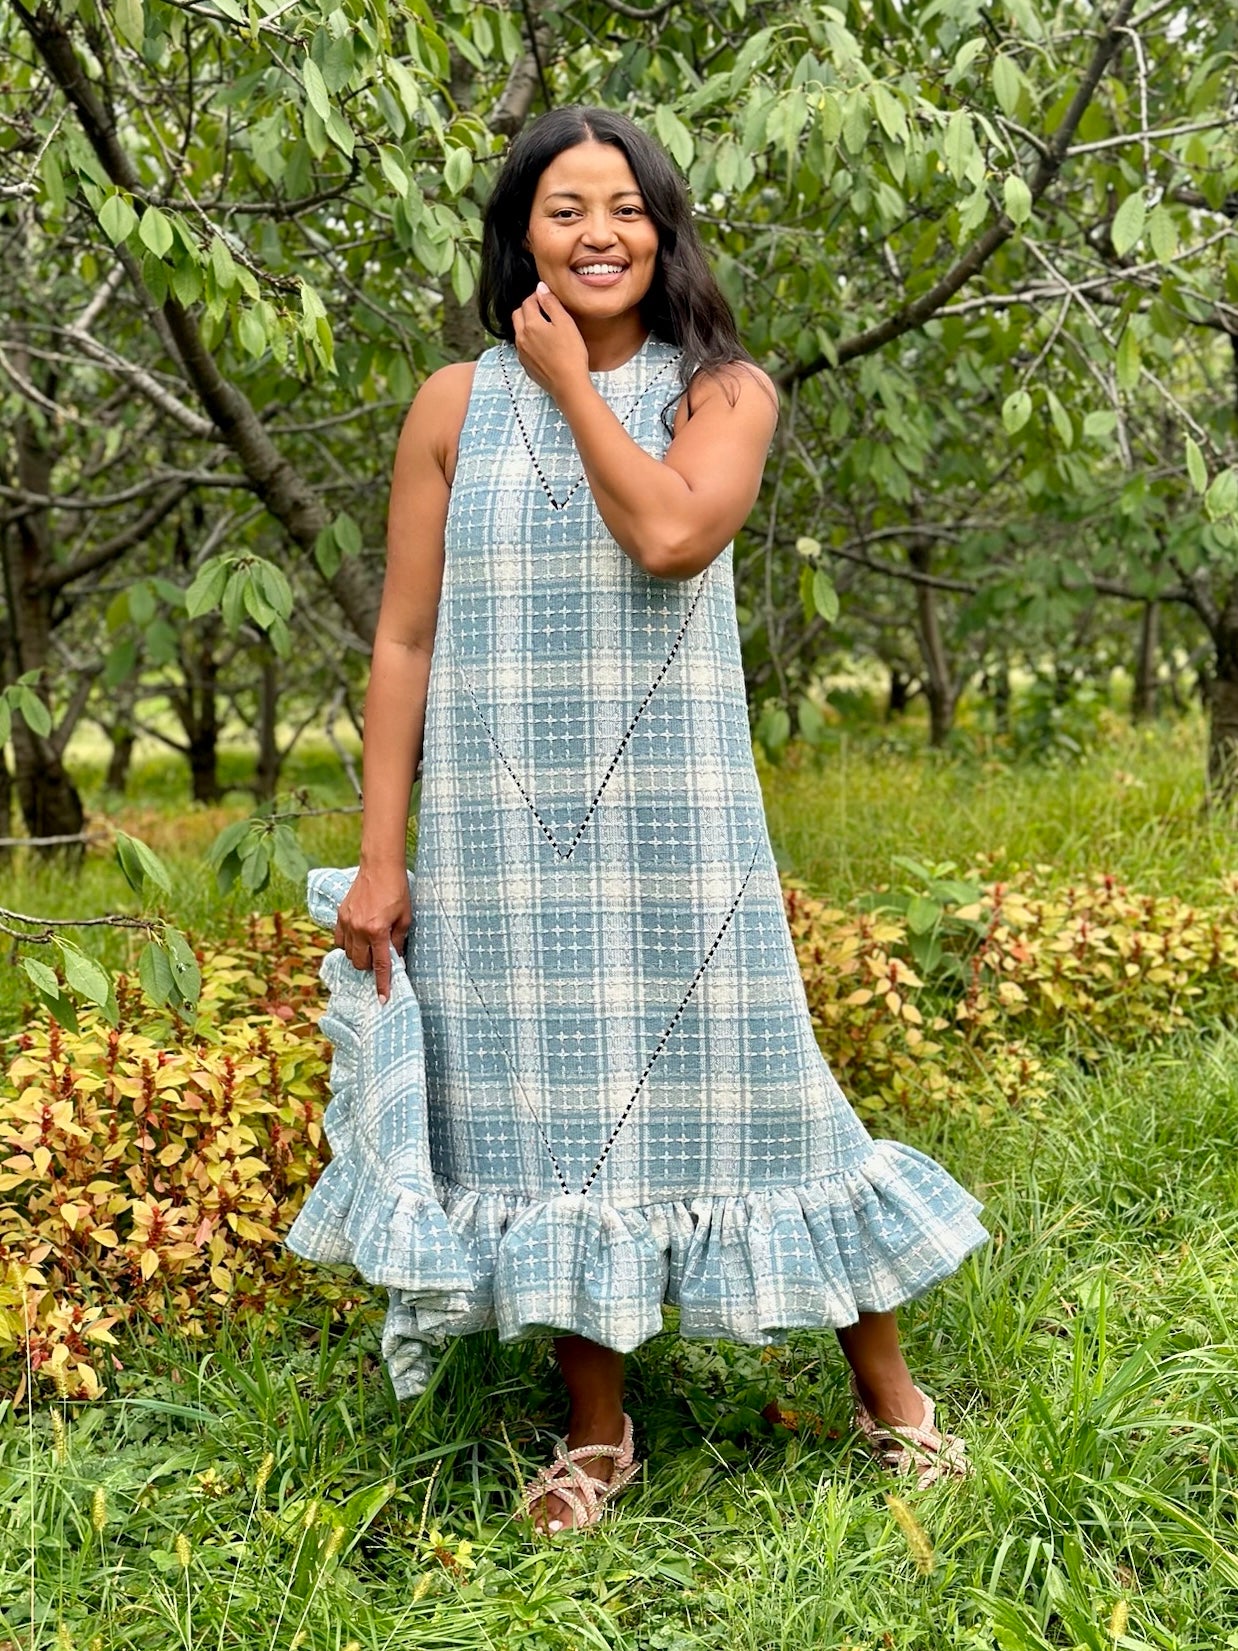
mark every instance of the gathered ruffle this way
{"type": "Point", "coordinates": [744, 1268]}
{"type": "Point", "coordinates": [374, 1205]}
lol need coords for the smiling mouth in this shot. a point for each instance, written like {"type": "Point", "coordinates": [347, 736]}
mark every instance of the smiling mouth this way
{"type": "Point", "coordinates": [600, 268]}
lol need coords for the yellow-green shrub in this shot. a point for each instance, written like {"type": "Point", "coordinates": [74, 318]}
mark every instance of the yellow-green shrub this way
{"type": "Point", "coordinates": [151, 1168]}
{"type": "Point", "coordinates": [1021, 970]}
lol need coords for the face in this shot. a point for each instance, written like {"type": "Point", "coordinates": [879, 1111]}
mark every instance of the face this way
{"type": "Point", "coordinates": [590, 235]}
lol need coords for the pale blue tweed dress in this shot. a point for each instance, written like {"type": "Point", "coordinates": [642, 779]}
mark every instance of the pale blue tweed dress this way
{"type": "Point", "coordinates": [624, 1101]}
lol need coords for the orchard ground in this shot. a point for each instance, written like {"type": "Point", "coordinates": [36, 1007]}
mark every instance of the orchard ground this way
{"type": "Point", "coordinates": [267, 1491]}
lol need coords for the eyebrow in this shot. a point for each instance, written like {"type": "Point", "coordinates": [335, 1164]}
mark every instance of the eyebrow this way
{"type": "Point", "coordinates": [573, 195]}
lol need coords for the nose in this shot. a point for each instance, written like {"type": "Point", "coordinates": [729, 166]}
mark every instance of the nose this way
{"type": "Point", "coordinates": [599, 231]}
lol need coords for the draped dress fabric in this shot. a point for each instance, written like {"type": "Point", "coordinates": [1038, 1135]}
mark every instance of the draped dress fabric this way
{"type": "Point", "coordinates": [624, 1101]}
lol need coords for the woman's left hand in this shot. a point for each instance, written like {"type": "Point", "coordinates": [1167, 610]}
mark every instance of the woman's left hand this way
{"type": "Point", "coordinates": [549, 344]}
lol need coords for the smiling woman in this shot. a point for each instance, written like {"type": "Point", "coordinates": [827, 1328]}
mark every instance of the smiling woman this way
{"type": "Point", "coordinates": [609, 1095]}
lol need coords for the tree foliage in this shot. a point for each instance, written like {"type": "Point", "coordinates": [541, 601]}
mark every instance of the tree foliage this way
{"type": "Point", "coordinates": [987, 251]}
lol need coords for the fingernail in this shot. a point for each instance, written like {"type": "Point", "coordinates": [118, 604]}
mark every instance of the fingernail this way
{"type": "Point", "coordinates": [555, 1525]}
{"type": "Point", "coordinates": [542, 287]}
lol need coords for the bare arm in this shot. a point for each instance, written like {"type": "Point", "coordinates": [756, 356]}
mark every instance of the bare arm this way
{"type": "Point", "coordinates": [375, 913]}
{"type": "Point", "coordinates": [672, 515]}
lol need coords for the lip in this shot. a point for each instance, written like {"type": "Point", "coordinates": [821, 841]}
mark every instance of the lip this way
{"type": "Point", "coordinates": [601, 280]}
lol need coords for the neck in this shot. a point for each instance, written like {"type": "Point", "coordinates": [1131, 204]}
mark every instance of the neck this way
{"type": "Point", "coordinates": [612, 341]}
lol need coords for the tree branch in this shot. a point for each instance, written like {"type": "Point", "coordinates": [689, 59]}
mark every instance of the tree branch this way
{"type": "Point", "coordinates": [998, 233]}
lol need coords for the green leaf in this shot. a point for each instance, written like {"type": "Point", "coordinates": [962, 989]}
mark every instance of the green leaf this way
{"type": "Point", "coordinates": [33, 711]}
{"type": "Point", "coordinates": [458, 170]}
{"type": "Point", "coordinates": [1006, 83]}
{"type": "Point", "coordinates": [825, 596]}
{"type": "Point", "coordinates": [130, 21]}
{"type": "Point", "coordinates": [186, 976]}
{"type": "Point", "coordinates": [327, 553]}
{"type": "Point", "coordinates": [119, 663]}
{"type": "Point", "coordinates": [316, 89]}
{"type": "Point", "coordinates": [1016, 410]}
{"type": "Point", "coordinates": [155, 232]}
{"type": "Point", "coordinates": [392, 163]}
{"type": "Point", "coordinates": [117, 219]}
{"type": "Point", "coordinates": [290, 858]}
{"type": "Point", "coordinates": [675, 135]}
{"type": "Point", "coordinates": [204, 594]}
{"type": "Point", "coordinates": [1196, 469]}
{"type": "Point", "coordinates": [228, 840]}
{"type": "Point", "coordinates": [1221, 498]}
{"type": "Point", "coordinates": [347, 534]}
{"type": "Point", "coordinates": [41, 976]}
{"type": "Point", "coordinates": [889, 111]}
{"type": "Point", "coordinates": [149, 864]}
{"type": "Point", "coordinates": [128, 861]}
{"type": "Point", "coordinates": [923, 914]}
{"type": "Point", "coordinates": [1128, 359]}
{"type": "Point", "coordinates": [959, 144]}
{"type": "Point", "coordinates": [1061, 420]}
{"type": "Point", "coordinates": [155, 973]}
{"type": "Point", "coordinates": [1018, 199]}
{"type": "Point", "coordinates": [1128, 223]}
{"type": "Point", "coordinates": [83, 975]}
{"type": "Point", "coordinates": [1163, 233]}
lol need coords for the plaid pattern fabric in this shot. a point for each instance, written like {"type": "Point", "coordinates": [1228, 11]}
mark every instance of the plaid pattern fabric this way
{"type": "Point", "coordinates": [624, 1102]}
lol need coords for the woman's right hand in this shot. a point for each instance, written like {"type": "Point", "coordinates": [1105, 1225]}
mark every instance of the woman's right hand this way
{"type": "Point", "coordinates": [375, 915]}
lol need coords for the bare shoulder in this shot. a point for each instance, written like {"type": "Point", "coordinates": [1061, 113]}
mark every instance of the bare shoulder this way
{"type": "Point", "coordinates": [436, 417]}
{"type": "Point", "coordinates": [736, 387]}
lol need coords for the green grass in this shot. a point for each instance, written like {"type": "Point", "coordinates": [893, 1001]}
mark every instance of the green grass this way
{"type": "Point", "coordinates": [1088, 1353]}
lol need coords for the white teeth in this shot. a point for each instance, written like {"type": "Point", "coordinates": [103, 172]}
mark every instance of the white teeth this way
{"type": "Point", "coordinates": [599, 269]}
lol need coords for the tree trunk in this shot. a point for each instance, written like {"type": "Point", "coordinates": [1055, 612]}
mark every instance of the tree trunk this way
{"type": "Point", "coordinates": [899, 694]}
{"type": "Point", "coordinates": [123, 740]}
{"type": "Point", "coordinates": [267, 777]}
{"type": "Point", "coordinates": [6, 799]}
{"type": "Point", "coordinates": [1001, 695]}
{"type": "Point", "coordinates": [1223, 708]}
{"type": "Point", "coordinates": [1144, 699]}
{"type": "Point", "coordinates": [940, 687]}
{"type": "Point", "coordinates": [196, 706]}
{"type": "Point", "coordinates": [50, 804]}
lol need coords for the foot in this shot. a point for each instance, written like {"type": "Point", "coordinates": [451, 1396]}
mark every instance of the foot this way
{"type": "Point", "coordinates": [552, 1513]}
{"type": "Point", "coordinates": [896, 1401]}
{"type": "Point", "coordinates": [909, 1441]}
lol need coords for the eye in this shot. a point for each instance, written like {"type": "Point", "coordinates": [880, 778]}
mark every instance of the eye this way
{"type": "Point", "coordinates": [637, 211]}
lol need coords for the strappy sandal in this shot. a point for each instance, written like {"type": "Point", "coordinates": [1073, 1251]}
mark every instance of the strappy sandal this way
{"type": "Point", "coordinates": [586, 1496]}
{"type": "Point", "coordinates": [924, 1450]}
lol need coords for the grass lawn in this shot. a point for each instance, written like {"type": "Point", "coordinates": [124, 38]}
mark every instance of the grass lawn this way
{"type": "Point", "coordinates": [266, 1492]}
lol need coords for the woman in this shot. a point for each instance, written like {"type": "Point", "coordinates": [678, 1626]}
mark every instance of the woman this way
{"type": "Point", "coordinates": [626, 1100]}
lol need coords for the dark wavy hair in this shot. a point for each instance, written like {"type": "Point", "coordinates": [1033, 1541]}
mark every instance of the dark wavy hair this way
{"type": "Point", "coordinates": [684, 304]}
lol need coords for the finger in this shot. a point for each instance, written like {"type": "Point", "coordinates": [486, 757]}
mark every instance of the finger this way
{"type": "Point", "coordinates": [399, 934]}
{"type": "Point", "coordinates": [548, 305]}
{"type": "Point", "coordinates": [359, 956]}
{"type": "Point", "coordinates": [382, 972]}
{"type": "Point", "coordinates": [338, 937]}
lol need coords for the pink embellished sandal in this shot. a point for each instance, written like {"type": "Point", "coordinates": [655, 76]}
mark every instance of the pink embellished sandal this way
{"type": "Point", "coordinates": [586, 1496]}
{"type": "Point", "coordinates": [924, 1450]}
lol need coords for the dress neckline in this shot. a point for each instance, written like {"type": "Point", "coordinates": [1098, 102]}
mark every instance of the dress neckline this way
{"type": "Point", "coordinates": [641, 350]}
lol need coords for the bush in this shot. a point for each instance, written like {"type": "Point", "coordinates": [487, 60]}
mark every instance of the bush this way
{"type": "Point", "coordinates": [152, 1166]}
{"type": "Point", "coordinates": [952, 990]}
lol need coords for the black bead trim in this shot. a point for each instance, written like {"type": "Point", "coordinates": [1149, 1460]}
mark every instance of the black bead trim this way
{"type": "Point", "coordinates": [672, 1023]}
{"type": "Point", "coordinates": [561, 504]}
